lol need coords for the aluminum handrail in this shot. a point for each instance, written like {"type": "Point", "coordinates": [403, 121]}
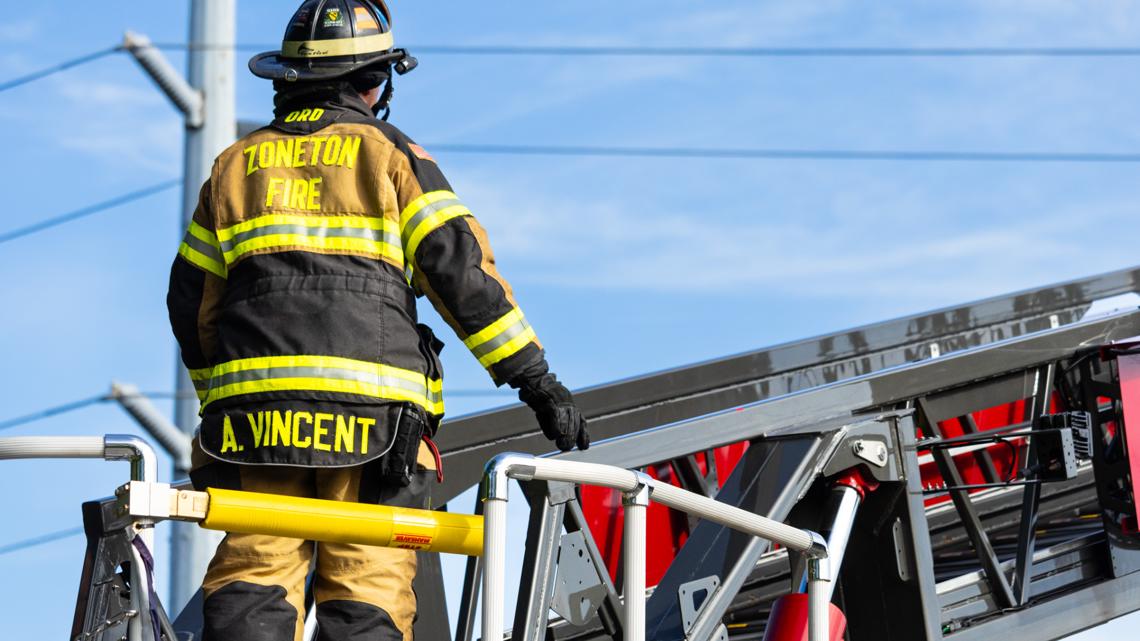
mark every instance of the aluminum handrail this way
{"type": "Point", "coordinates": [637, 490]}
{"type": "Point", "coordinates": [111, 447]}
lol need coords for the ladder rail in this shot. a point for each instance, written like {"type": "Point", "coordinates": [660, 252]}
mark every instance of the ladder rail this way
{"type": "Point", "coordinates": [637, 490]}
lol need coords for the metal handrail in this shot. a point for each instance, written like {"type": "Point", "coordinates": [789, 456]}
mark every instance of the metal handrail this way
{"type": "Point", "coordinates": [112, 447]}
{"type": "Point", "coordinates": [637, 490]}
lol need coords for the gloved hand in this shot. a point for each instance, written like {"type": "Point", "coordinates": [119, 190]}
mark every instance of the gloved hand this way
{"type": "Point", "coordinates": [553, 405]}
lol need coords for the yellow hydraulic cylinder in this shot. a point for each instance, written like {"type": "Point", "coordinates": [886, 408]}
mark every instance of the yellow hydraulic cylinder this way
{"type": "Point", "coordinates": [341, 522]}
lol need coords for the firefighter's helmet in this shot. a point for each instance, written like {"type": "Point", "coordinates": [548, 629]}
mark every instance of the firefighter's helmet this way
{"type": "Point", "coordinates": [332, 38]}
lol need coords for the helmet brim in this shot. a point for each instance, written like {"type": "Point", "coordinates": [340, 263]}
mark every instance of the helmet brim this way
{"type": "Point", "coordinates": [271, 65]}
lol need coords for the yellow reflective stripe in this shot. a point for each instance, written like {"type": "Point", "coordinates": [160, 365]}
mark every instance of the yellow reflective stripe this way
{"type": "Point", "coordinates": [501, 339]}
{"type": "Point", "coordinates": [368, 222]}
{"type": "Point", "coordinates": [201, 248]}
{"type": "Point", "coordinates": [494, 329]}
{"type": "Point", "coordinates": [426, 214]}
{"type": "Point", "coordinates": [424, 200]}
{"type": "Point", "coordinates": [199, 259]}
{"type": "Point", "coordinates": [509, 348]}
{"type": "Point", "coordinates": [357, 245]}
{"type": "Point", "coordinates": [432, 223]}
{"type": "Point", "coordinates": [203, 234]}
{"type": "Point", "coordinates": [325, 374]}
{"type": "Point", "coordinates": [304, 360]}
{"type": "Point", "coordinates": [201, 380]}
{"type": "Point", "coordinates": [325, 385]}
{"type": "Point", "coordinates": [377, 237]}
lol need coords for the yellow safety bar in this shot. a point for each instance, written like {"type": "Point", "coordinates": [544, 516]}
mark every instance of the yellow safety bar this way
{"type": "Point", "coordinates": [340, 522]}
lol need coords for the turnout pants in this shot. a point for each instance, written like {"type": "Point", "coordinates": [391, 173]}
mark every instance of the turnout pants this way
{"type": "Point", "coordinates": [255, 585]}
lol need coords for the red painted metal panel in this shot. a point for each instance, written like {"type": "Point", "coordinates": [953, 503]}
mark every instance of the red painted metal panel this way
{"type": "Point", "coordinates": [1129, 368]}
{"type": "Point", "coordinates": [789, 620]}
{"type": "Point", "coordinates": [667, 529]}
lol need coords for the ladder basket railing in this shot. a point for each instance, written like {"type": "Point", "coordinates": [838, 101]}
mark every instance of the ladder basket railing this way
{"type": "Point", "coordinates": [638, 490]}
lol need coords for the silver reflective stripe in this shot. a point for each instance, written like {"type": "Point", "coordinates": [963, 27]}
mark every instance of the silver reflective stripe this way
{"type": "Point", "coordinates": [501, 339]}
{"type": "Point", "coordinates": [335, 373]}
{"type": "Point", "coordinates": [428, 210]}
{"type": "Point", "coordinates": [204, 248]}
{"type": "Point", "coordinates": [366, 233]}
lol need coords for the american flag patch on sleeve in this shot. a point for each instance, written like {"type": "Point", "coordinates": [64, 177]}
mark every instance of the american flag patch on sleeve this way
{"type": "Point", "coordinates": [420, 152]}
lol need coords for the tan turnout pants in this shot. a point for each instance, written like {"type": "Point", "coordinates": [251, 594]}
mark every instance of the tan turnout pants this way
{"type": "Point", "coordinates": [255, 585]}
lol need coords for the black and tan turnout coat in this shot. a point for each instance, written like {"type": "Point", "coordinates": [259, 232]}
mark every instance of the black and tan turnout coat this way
{"type": "Point", "coordinates": [293, 293]}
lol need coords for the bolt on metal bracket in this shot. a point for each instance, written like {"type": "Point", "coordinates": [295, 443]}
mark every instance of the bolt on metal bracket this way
{"type": "Point", "coordinates": [874, 452]}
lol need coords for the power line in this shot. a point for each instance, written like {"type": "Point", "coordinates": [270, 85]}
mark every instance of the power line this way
{"type": "Point", "coordinates": [657, 52]}
{"type": "Point", "coordinates": [51, 411]}
{"type": "Point", "coordinates": [785, 52]}
{"type": "Point", "coordinates": [42, 73]}
{"type": "Point", "coordinates": [788, 154]}
{"type": "Point", "coordinates": [89, 210]}
{"type": "Point", "coordinates": [40, 540]}
{"type": "Point", "coordinates": [736, 52]}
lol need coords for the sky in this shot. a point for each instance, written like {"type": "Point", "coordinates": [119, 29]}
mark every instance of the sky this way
{"type": "Point", "coordinates": [624, 266]}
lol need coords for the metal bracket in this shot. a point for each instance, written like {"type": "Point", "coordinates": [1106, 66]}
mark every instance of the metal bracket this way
{"type": "Point", "coordinates": [902, 560]}
{"type": "Point", "coordinates": [578, 590]}
{"type": "Point", "coordinates": [141, 500]}
{"type": "Point", "coordinates": [560, 493]}
{"type": "Point", "coordinates": [185, 98]}
{"type": "Point", "coordinates": [874, 452]}
{"type": "Point", "coordinates": [870, 443]}
{"type": "Point", "coordinates": [687, 596]}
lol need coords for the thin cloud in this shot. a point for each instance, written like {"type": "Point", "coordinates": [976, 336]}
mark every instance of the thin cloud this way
{"type": "Point", "coordinates": [20, 30]}
{"type": "Point", "coordinates": [909, 246]}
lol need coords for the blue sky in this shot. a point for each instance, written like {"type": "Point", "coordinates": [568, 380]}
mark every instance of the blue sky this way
{"type": "Point", "coordinates": [623, 266]}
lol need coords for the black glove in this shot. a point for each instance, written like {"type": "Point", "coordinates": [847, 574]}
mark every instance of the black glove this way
{"type": "Point", "coordinates": [560, 418]}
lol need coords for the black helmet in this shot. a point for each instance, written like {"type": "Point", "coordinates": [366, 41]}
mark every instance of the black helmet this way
{"type": "Point", "coordinates": [332, 38]}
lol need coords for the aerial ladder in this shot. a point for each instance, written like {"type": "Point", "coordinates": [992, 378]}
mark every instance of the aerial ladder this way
{"type": "Point", "coordinates": [960, 474]}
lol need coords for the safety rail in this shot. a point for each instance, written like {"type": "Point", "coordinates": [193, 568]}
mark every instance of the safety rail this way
{"type": "Point", "coordinates": [145, 502]}
{"type": "Point", "coordinates": [306, 518]}
{"type": "Point", "coordinates": [111, 447]}
{"type": "Point", "coordinates": [144, 469]}
{"type": "Point", "coordinates": [637, 490]}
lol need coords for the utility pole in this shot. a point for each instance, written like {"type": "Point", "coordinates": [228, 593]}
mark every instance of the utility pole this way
{"type": "Point", "coordinates": [207, 102]}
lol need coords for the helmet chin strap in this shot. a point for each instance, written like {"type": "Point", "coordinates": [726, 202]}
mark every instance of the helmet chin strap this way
{"type": "Point", "coordinates": [384, 103]}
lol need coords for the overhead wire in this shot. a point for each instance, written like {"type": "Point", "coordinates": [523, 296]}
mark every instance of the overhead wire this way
{"type": "Point", "coordinates": [50, 537]}
{"type": "Point", "coordinates": [786, 154]}
{"type": "Point", "coordinates": [56, 68]}
{"type": "Point", "coordinates": [677, 152]}
{"type": "Point", "coordinates": [727, 52]}
{"type": "Point", "coordinates": [52, 411]}
{"type": "Point", "coordinates": [88, 211]}
{"type": "Point", "coordinates": [648, 51]}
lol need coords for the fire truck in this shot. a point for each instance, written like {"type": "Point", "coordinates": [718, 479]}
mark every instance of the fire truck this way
{"type": "Point", "coordinates": [962, 474]}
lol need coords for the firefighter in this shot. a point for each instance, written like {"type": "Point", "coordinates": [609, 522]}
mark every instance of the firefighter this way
{"type": "Point", "coordinates": [293, 300]}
